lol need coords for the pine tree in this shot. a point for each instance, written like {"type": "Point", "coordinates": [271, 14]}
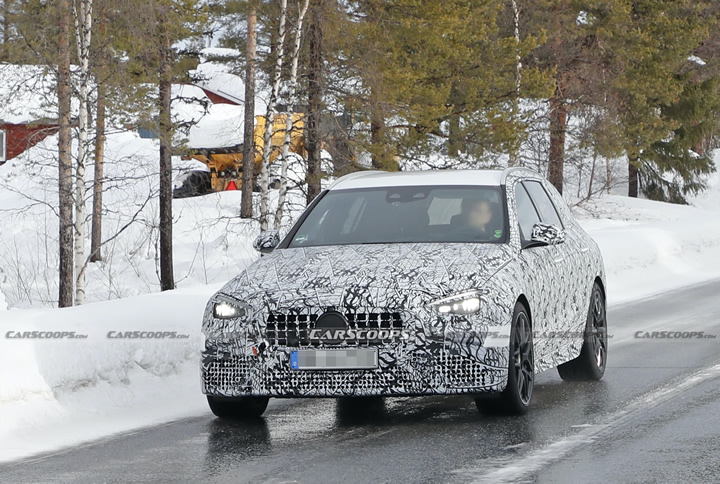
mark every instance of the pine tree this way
{"type": "Point", "coordinates": [675, 167]}
{"type": "Point", "coordinates": [150, 47]}
{"type": "Point", "coordinates": [434, 71]}
{"type": "Point", "coordinates": [66, 279]}
{"type": "Point", "coordinates": [650, 56]}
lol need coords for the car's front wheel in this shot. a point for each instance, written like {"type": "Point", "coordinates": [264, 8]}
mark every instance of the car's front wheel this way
{"type": "Point", "coordinates": [515, 399]}
{"type": "Point", "coordinates": [590, 364]}
{"type": "Point", "coordinates": [238, 407]}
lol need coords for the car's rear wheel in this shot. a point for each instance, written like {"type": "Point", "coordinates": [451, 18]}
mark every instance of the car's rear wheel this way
{"type": "Point", "coordinates": [591, 363]}
{"type": "Point", "coordinates": [515, 399]}
{"type": "Point", "coordinates": [237, 408]}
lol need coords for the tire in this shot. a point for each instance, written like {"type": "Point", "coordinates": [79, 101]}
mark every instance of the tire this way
{"type": "Point", "coordinates": [238, 408]}
{"type": "Point", "coordinates": [515, 399]}
{"type": "Point", "coordinates": [196, 183]}
{"type": "Point", "coordinates": [590, 364]}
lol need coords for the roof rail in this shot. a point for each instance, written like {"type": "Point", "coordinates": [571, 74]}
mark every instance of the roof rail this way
{"type": "Point", "coordinates": [354, 175]}
{"type": "Point", "coordinates": [513, 169]}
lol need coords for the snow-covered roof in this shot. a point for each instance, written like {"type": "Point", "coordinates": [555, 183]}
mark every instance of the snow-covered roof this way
{"type": "Point", "coordinates": [222, 127]}
{"type": "Point", "coordinates": [226, 85]}
{"type": "Point", "coordinates": [370, 179]}
{"type": "Point", "coordinates": [213, 126]}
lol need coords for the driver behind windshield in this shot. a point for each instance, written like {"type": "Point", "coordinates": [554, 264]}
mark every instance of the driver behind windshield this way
{"type": "Point", "coordinates": [476, 214]}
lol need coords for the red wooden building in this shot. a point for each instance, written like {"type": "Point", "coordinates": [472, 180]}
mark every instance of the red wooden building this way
{"type": "Point", "coordinates": [15, 138]}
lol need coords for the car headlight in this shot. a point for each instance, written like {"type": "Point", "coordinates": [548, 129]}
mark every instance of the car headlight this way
{"type": "Point", "coordinates": [226, 308]}
{"type": "Point", "coordinates": [464, 303]}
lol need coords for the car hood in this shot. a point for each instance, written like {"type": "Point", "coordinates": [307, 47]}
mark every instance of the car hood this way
{"type": "Point", "coordinates": [357, 275]}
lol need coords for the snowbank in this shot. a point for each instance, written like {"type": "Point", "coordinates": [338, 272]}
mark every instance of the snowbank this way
{"type": "Point", "coordinates": [650, 247]}
{"type": "Point", "coordinates": [89, 380]}
{"type": "Point", "coordinates": [57, 392]}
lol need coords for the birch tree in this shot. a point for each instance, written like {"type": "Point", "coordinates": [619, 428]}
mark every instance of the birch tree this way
{"type": "Point", "coordinates": [270, 121]}
{"type": "Point", "coordinates": [83, 15]}
{"type": "Point", "coordinates": [292, 100]}
{"type": "Point", "coordinates": [515, 10]}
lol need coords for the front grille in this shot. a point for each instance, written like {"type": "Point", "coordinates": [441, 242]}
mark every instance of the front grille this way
{"type": "Point", "coordinates": [293, 329]}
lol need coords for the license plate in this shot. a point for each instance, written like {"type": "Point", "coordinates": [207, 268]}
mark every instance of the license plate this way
{"type": "Point", "coordinates": [355, 359]}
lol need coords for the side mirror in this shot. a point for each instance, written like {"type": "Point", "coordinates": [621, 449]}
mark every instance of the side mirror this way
{"type": "Point", "coordinates": [546, 234]}
{"type": "Point", "coordinates": [267, 241]}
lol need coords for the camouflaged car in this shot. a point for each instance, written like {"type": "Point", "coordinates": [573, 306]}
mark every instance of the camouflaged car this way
{"type": "Point", "coordinates": [414, 283]}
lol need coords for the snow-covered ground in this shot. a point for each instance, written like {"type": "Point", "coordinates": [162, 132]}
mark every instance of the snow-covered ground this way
{"type": "Point", "coordinates": [56, 392]}
{"type": "Point", "coordinates": [650, 247]}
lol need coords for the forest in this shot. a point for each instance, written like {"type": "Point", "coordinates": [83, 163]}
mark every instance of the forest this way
{"type": "Point", "coordinates": [600, 96]}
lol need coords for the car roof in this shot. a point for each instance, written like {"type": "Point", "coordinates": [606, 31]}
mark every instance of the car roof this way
{"type": "Point", "coordinates": [372, 179]}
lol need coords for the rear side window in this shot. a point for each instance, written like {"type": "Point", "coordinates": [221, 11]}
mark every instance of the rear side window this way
{"type": "Point", "coordinates": [544, 205]}
{"type": "Point", "coordinates": [526, 213]}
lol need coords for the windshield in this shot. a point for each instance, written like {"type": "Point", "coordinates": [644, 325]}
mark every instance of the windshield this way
{"type": "Point", "coordinates": [405, 215]}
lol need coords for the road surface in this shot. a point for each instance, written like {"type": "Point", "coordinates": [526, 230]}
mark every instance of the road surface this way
{"type": "Point", "coordinates": [655, 417]}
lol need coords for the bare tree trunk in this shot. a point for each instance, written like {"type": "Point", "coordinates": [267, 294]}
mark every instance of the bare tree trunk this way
{"type": "Point", "coordinates": [592, 175]}
{"type": "Point", "coordinates": [312, 127]}
{"type": "Point", "coordinates": [6, 21]}
{"type": "Point", "coordinates": [633, 185]}
{"type": "Point", "coordinates": [292, 100]}
{"type": "Point", "coordinates": [65, 269]}
{"type": "Point", "coordinates": [248, 168]}
{"type": "Point", "coordinates": [270, 121]}
{"type": "Point", "coordinates": [454, 143]}
{"type": "Point", "coordinates": [167, 277]}
{"type": "Point", "coordinates": [608, 174]}
{"type": "Point", "coordinates": [514, 155]}
{"type": "Point", "coordinates": [377, 125]}
{"type": "Point", "coordinates": [558, 127]}
{"type": "Point", "coordinates": [6, 30]}
{"type": "Point", "coordinates": [96, 231]}
{"type": "Point", "coordinates": [82, 14]}
{"type": "Point", "coordinates": [383, 157]}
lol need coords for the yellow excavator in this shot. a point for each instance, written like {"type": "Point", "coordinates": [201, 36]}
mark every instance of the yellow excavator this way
{"type": "Point", "coordinates": [225, 164]}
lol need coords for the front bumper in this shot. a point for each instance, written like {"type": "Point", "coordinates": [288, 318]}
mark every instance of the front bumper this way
{"type": "Point", "coordinates": [436, 354]}
{"type": "Point", "coordinates": [400, 372]}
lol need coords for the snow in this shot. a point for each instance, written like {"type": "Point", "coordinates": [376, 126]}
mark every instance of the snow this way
{"type": "Point", "coordinates": [54, 392]}
{"type": "Point", "coordinates": [650, 247]}
{"type": "Point", "coordinates": [697, 60]}
{"type": "Point", "coordinates": [220, 128]}
{"type": "Point", "coordinates": [227, 85]}
{"type": "Point", "coordinates": [22, 83]}
{"type": "Point", "coordinates": [60, 392]}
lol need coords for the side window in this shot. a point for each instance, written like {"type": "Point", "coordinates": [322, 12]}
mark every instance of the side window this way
{"type": "Point", "coordinates": [544, 205]}
{"type": "Point", "coordinates": [526, 213]}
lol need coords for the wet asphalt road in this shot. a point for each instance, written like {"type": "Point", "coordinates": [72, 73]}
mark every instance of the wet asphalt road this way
{"type": "Point", "coordinates": [655, 417]}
